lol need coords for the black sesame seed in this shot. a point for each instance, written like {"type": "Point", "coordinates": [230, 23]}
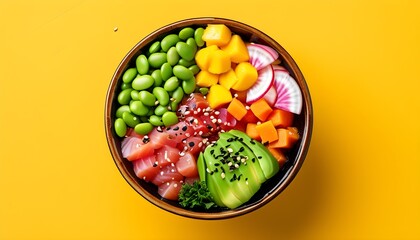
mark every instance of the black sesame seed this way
{"type": "Point", "coordinates": [230, 140]}
{"type": "Point", "coordinates": [168, 128]}
{"type": "Point", "coordinates": [259, 157]}
{"type": "Point", "coordinates": [209, 127]}
{"type": "Point", "coordinates": [253, 160]}
{"type": "Point", "coordinates": [155, 165]}
{"type": "Point", "coordinates": [184, 128]}
{"type": "Point", "coordinates": [176, 128]}
{"type": "Point", "coordinates": [217, 164]}
{"type": "Point", "coordinates": [241, 149]}
{"type": "Point", "coordinates": [191, 144]}
{"type": "Point", "coordinates": [212, 151]}
{"type": "Point", "coordinates": [252, 142]}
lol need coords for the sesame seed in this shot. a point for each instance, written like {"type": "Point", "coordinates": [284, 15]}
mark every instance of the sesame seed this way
{"type": "Point", "coordinates": [208, 170]}
{"type": "Point", "coordinates": [172, 170]}
{"type": "Point", "coordinates": [223, 175]}
{"type": "Point", "coordinates": [167, 183]}
{"type": "Point", "coordinates": [213, 120]}
{"type": "Point", "coordinates": [195, 112]}
{"type": "Point", "coordinates": [212, 117]}
{"type": "Point", "coordinates": [188, 135]}
{"type": "Point", "coordinates": [219, 120]}
{"type": "Point", "coordinates": [230, 150]}
{"type": "Point", "coordinates": [217, 112]}
{"type": "Point", "coordinates": [200, 133]}
{"type": "Point", "coordinates": [182, 154]}
{"type": "Point", "coordinates": [175, 185]}
{"type": "Point", "coordinates": [230, 164]}
{"type": "Point", "coordinates": [187, 112]}
{"type": "Point", "coordinates": [161, 173]}
{"type": "Point", "coordinates": [115, 29]}
{"type": "Point", "coordinates": [198, 109]}
{"type": "Point", "coordinates": [247, 107]}
{"type": "Point", "coordinates": [144, 177]}
{"type": "Point", "coordinates": [157, 102]}
{"type": "Point", "coordinates": [206, 114]}
{"type": "Point", "coordinates": [235, 95]}
{"type": "Point", "coordinates": [236, 165]}
{"type": "Point", "coordinates": [200, 144]}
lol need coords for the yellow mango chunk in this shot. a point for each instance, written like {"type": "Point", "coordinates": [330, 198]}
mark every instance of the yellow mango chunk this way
{"type": "Point", "coordinates": [236, 49]}
{"type": "Point", "coordinates": [228, 79]}
{"type": "Point", "coordinates": [219, 62]}
{"type": "Point", "coordinates": [206, 79]}
{"type": "Point", "coordinates": [218, 96]}
{"type": "Point", "coordinates": [247, 75]}
{"type": "Point", "coordinates": [202, 57]}
{"type": "Point", "coordinates": [216, 34]}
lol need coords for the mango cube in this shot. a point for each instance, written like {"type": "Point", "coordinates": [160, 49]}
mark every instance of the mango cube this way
{"type": "Point", "coordinates": [247, 75]}
{"type": "Point", "coordinates": [228, 79]}
{"type": "Point", "coordinates": [216, 34]}
{"type": "Point", "coordinates": [236, 49]}
{"type": "Point", "coordinates": [218, 96]}
{"type": "Point", "coordinates": [219, 62]}
{"type": "Point", "coordinates": [203, 58]}
{"type": "Point", "coordinates": [206, 79]}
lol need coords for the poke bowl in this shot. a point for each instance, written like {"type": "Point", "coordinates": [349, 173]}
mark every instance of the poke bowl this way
{"type": "Point", "coordinates": [208, 118]}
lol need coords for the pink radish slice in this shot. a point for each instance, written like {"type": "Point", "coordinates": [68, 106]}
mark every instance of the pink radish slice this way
{"type": "Point", "coordinates": [260, 55]}
{"type": "Point", "coordinates": [289, 96]}
{"type": "Point", "coordinates": [280, 68]}
{"type": "Point", "coordinates": [271, 96]}
{"type": "Point", "coordinates": [261, 86]}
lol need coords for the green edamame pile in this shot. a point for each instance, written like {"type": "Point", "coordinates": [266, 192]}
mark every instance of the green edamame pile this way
{"type": "Point", "coordinates": [152, 89]}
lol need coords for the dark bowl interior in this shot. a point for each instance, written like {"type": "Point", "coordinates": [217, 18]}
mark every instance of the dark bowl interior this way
{"type": "Point", "coordinates": [270, 189]}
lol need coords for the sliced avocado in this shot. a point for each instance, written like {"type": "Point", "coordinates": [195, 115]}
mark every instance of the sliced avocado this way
{"type": "Point", "coordinates": [235, 178]}
{"type": "Point", "coordinates": [268, 162]}
{"type": "Point", "coordinates": [201, 166]}
{"type": "Point", "coordinates": [250, 170]}
{"type": "Point", "coordinates": [219, 187]}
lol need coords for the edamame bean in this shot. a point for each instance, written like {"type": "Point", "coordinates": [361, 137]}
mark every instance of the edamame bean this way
{"type": "Point", "coordinates": [120, 127]}
{"type": "Point", "coordinates": [155, 47]}
{"type": "Point", "coordinates": [168, 41]}
{"type": "Point", "coordinates": [125, 96]}
{"type": "Point", "coordinates": [155, 120]}
{"type": "Point", "coordinates": [173, 106]}
{"type": "Point", "coordinates": [142, 82]}
{"type": "Point", "coordinates": [198, 34]}
{"type": "Point", "coordinates": [130, 119]}
{"type": "Point", "coordinates": [143, 128]}
{"type": "Point", "coordinates": [182, 72]}
{"type": "Point", "coordinates": [203, 90]}
{"type": "Point", "coordinates": [169, 118]}
{"type": "Point", "coordinates": [129, 75]}
{"type": "Point", "coordinates": [157, 59]}
{"type": "Point", "coordinates": [120, 110]}
{"type": "Point", "coordinates": [185, 51]}
{"type": "Point", "coordinates": [191, 43]}
{"type": "Point", "coordinates": [162, 95]}
{"type": "Point", "coordinates": [188, 85]}
{"type": "Point", "coordinates": [157, 76]}
{"type": "Point", "coordinates": [125, 85]}
{"type": "Point", "coordinates": [177, 95]}
{"type": "Point", "coordinates": [194, 69]}
{"type": "Point", "coordinates": [142, 64]}
{"type": "Point", "coordinates": [171, 84]}
{"type": "Point", "coordinates": [173, 56]}
{"type": "Point", "coordinates": [150, 113]}
{"type": "Point", "coordinates": [186, 63]}
{"type": "Point", "coordinates": [147, 98]}
{"type": "Point", "coordinates": [134, 95]}
{"type": "Point", "coordinates": [138, 108]}
{"type": "Point", "coordinates": [186, 33]}
{"type": "Point", "coordinates": [160, 110]}
{"type": "Point", "coordinates": [166, 71]}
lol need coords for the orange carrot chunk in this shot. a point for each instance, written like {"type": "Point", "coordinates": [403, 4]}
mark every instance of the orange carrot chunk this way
{"type": "Point", "coordinates": [286, 138]}
{"type": "Point", "coordinates": [279, 155]}
{"type": "Point", "coordinates": [252, 131]}
{"type": "Point", "coordinates": [267, 131]}
{"type": "Point", "coordinates": [281, 118]}
{"type": "Point", "coordinates": [261, 109]}
{"type": "Point", "coordinates": [237, 109]}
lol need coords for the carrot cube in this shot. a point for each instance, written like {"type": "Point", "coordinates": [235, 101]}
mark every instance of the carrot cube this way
{"type": "Point", "coordinates": [267, 131]}
{"type": "Point", "coordinates": [237, 109]}
{"type": "Point", "coordinates": [261, 109]}
{"type": "Point", "coordinates": [279, 155]}
{"type": "Point", "coordinates": [281, 118]}
{"type": "Point", "coordinates": [286, 138]}
{"type": "Point", "coordinates": [252, 131]}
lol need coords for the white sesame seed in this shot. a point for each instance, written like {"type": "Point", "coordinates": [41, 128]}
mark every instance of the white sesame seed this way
{"type": "Point", "coordinates": [200, 144]}
{"type": "Point", "coordinates": [175, 185]}
{"type": "Point", "coordinates": [200, 133]}
{"type": "Point", "coordinates": [144, 177]}
{"type": "Point", "coordinates": [212, 117]}
{"type": "Point", "coordinates": [217, 112]}
{"type": "Point", "coordinates": [167, 183]}
{"type": "Point", "coordinates": [208, 170]}
{"type": "Point", "coordinates": [195, 112]}
{"type": "Point", "coordinates": [206, 114]}
{"type": "Point", "coordinates": [182, 154]}
{"type": "Point", "coordinates": [230, 164]}
{"type": "Point", "coordinates": [157, 102]}
{"type": "Point", "coordinates": [115, 29]}
{"type": "Point", "coordinates": [187, 112]}
{"type": "Point", "coordinates": [188, 135]}
{"type": "Point", "coordinates": [172, 170]}
{"type": "Point", "coordinates": [205, 140]}
{"type": "Point", "coordinates": [223, 175]}
{"type": "Point", "coordinates": [198, 109]}
{"type": "Point", "coordinates": [247, 107]}
{"type": "Point", "coordinates": [235, 95]}
{"type": "Point", "coordinates": [236, 165]}
{"type": "Point", "coordinates": [219, 120]}
{"type": "Point", "coordinates": [213, 120]}
{"type": "Point", "coordinates": [230, 150]}
{"type": "Point", "coordinates": [161, 173]}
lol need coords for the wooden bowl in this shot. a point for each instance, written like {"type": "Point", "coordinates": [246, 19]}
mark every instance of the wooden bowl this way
{"type": "Point", "coordinates": [270, 189]}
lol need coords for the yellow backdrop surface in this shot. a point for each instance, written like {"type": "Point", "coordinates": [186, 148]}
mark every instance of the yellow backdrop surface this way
{"type": "Point", "coordinates": [360, 180]}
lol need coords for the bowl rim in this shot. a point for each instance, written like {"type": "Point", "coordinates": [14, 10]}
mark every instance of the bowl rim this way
{"type": "Point", "coordinates": [305, 135]}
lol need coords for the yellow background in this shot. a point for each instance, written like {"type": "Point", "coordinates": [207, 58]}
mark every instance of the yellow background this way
{"type": "Point", "coordinates": [361, 178]}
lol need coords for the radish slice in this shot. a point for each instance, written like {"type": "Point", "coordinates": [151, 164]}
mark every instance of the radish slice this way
{"type": "Point", "coordinates": [261, 56]}
{"type": "Point", "coordinates": [261, 86]}
{"type": "Point", "coordinates": [271, 96]}
{"type": "Point", "coordinates": [289, 96]}
{"type": "Point", "coordinates": [280, 68]}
